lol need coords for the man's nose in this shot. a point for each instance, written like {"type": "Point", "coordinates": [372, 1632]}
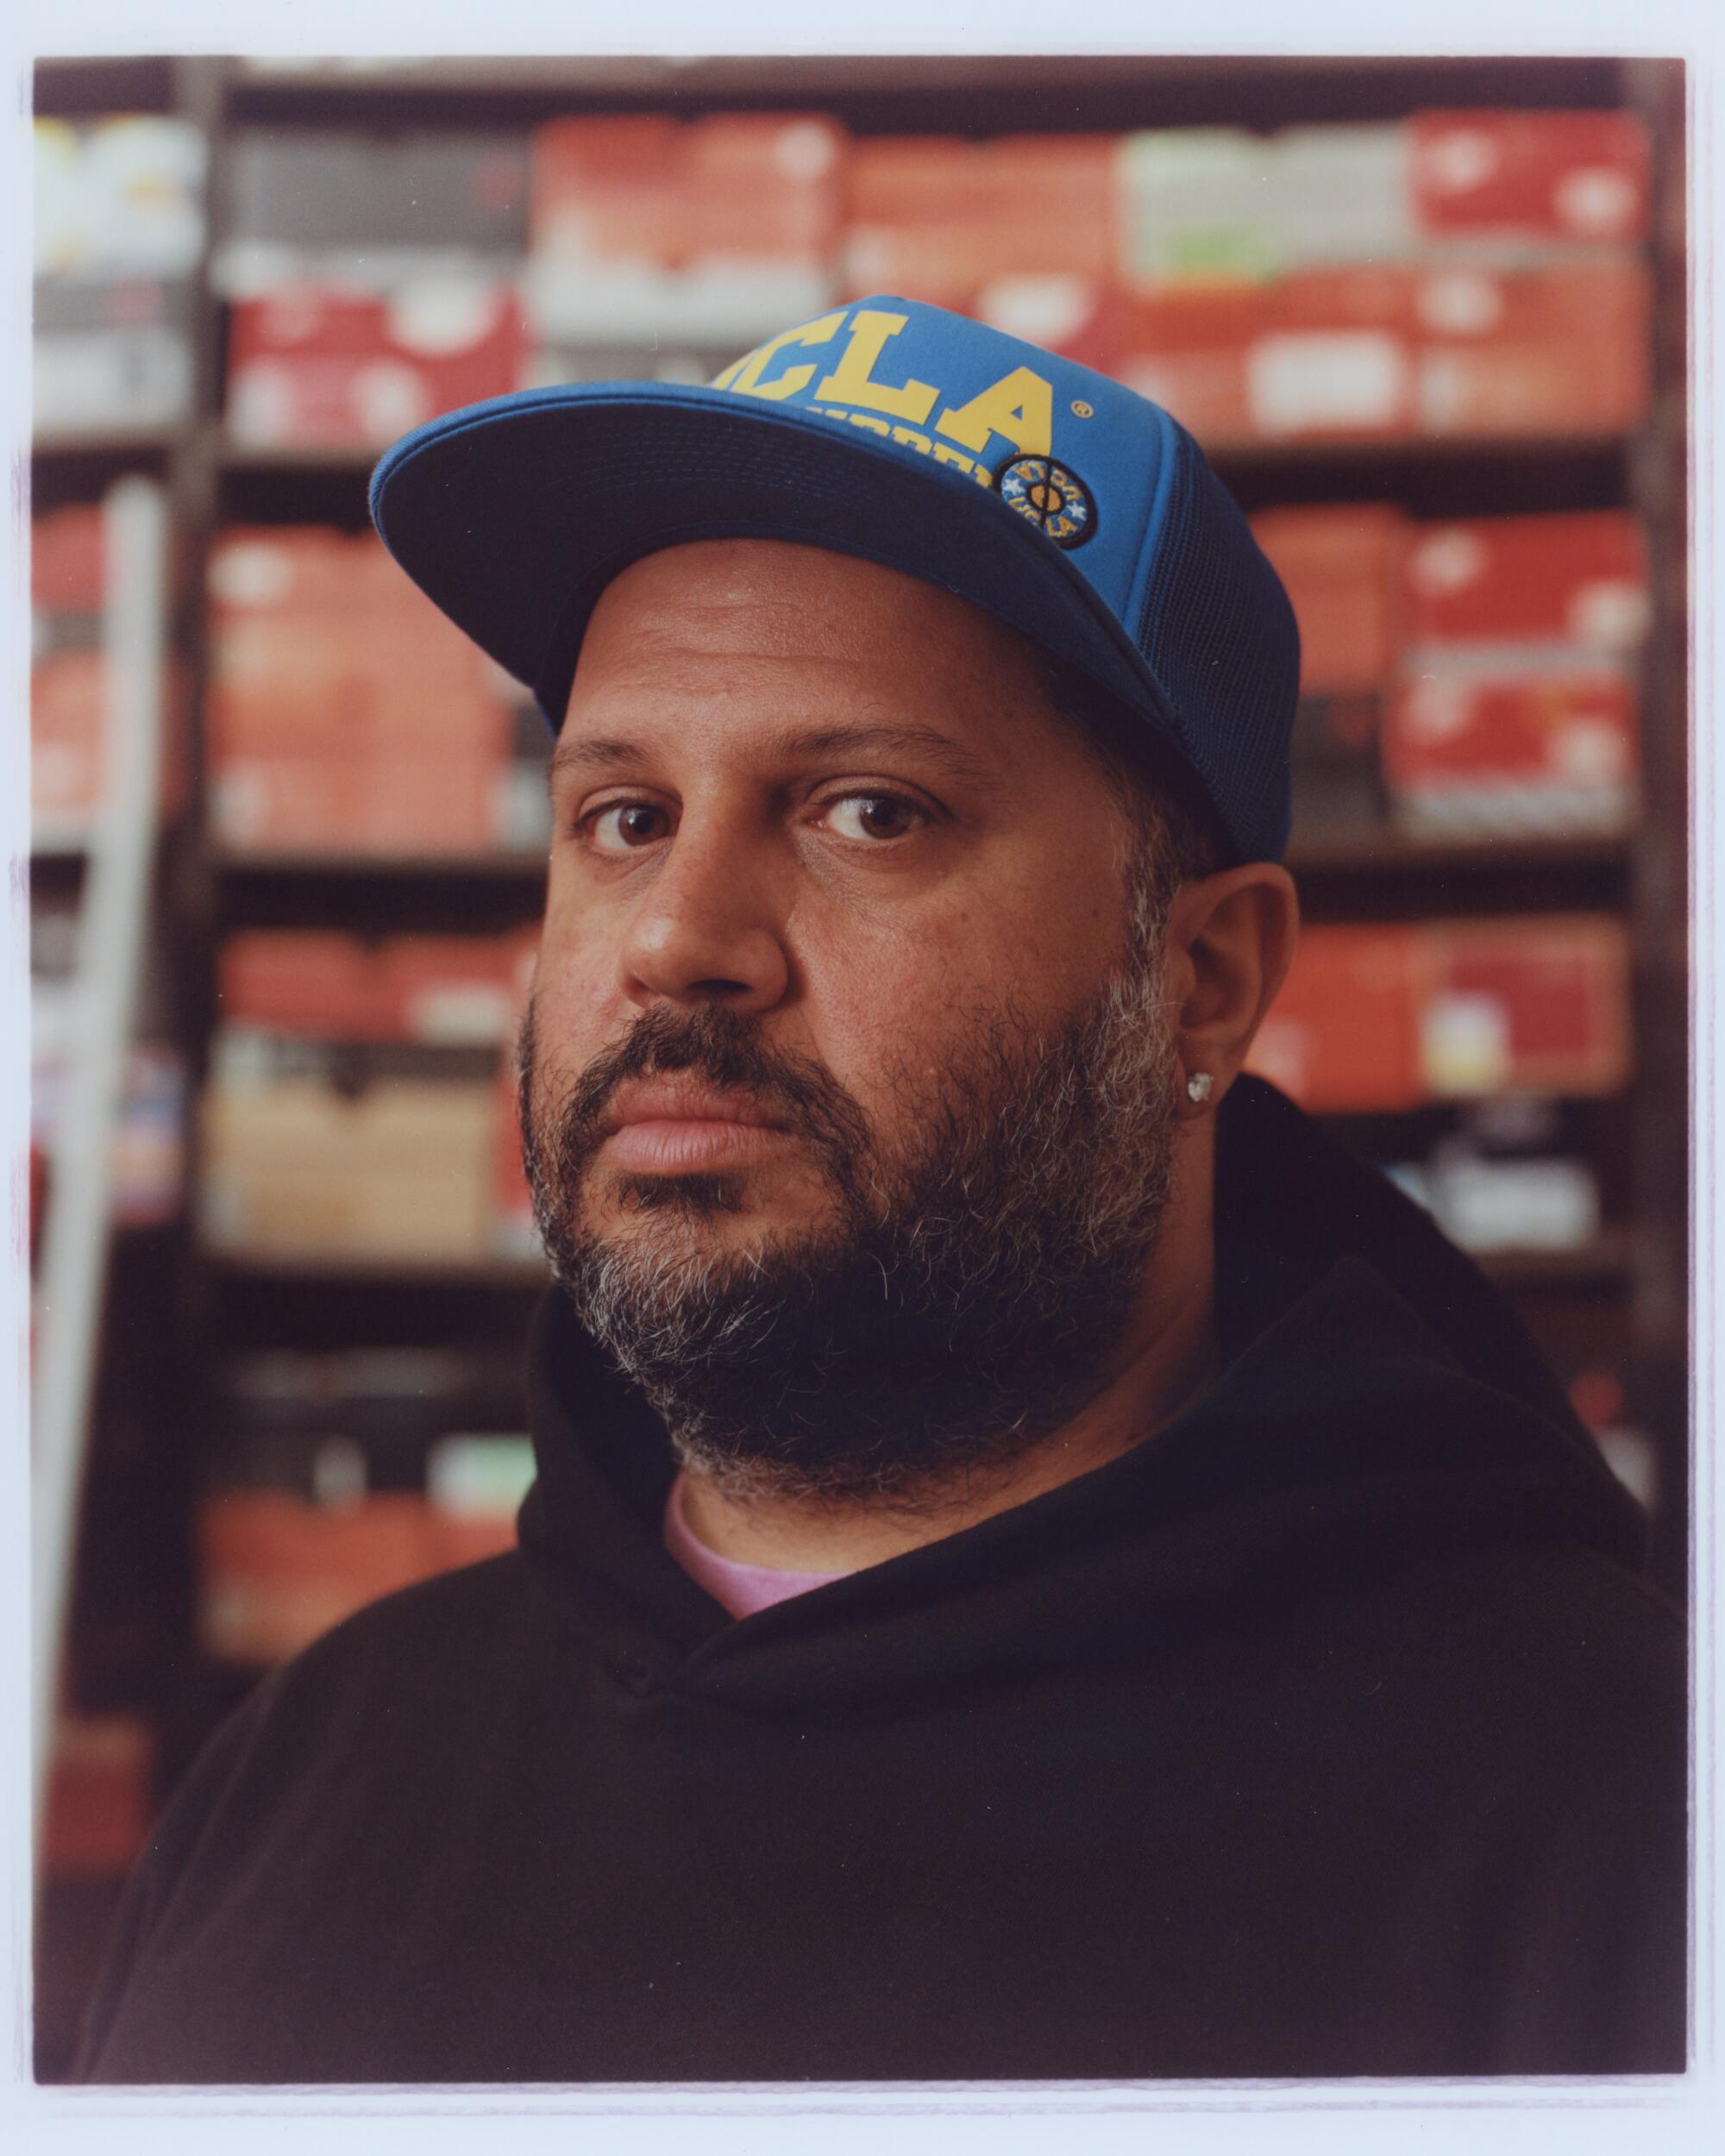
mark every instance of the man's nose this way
{"type": "Point", "coordinates": [707, 930]}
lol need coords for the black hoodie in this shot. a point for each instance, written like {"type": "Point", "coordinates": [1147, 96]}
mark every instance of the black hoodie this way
{"type": "Point", "coordinates": [1328, 1733]}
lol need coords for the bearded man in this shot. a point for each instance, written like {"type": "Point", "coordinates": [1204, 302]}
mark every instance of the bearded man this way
{"type": "Point", "coordinates": [1040, 1568]}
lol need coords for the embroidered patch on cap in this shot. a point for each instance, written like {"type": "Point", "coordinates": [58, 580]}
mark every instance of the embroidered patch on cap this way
{"type": "Point", "coordinates": [1056, 500]}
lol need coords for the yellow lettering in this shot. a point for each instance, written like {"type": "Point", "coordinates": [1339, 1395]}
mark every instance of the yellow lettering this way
{"type": "Point", "coordinates": [912, 440]}
{"type": "Point", "coordinates": [944, 455]}
{"type": "Point", "coordinates": [863, 419]}
{"type": "Point", "coordinates": [851, 381]}
{"type": "Point", "coordinates": [1020, 406]}
{"type": "Point", "coordinates": [745, 377]}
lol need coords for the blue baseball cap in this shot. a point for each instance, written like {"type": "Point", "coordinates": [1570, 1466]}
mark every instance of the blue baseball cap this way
{"type": "Point", "coordinates": [1057, 498]}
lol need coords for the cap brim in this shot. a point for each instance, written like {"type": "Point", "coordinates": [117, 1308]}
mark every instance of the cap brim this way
{"type": "Point", "coordinates": [513, 516]}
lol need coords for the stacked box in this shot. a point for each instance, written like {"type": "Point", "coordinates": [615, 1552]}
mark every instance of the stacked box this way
{"type": "Point", "coordinates": [110, 355]}
{"type": "Point", "coordinates": [644, 227]}
{"type": "Point", "coordinates": [119, 228]}
{"type": "Point", "coordinates": [1196, 205]}
{"type": "Point", "coordinates": [1518, 708]}
{"type": "Point", "coordinates": [1386, 1018]}
{"type": "Point", "coordinates": [328, 1039]}
{"type": "Point", "coordinates": [296, 1166]}
{"type": "Point", "coordinates": [435, 990]}
{"type": "Point", "coordinates": [1343, 1035]}
{"type": "Point", "coordinates": [369, 208]}
{"type": "Point", "coordinates": [318, 367]}
{"type": "Point", "coordinates": [1530, 176]}
{"type": "Point", "coordinates": [118, 198]}
{"type": "Point", "coordinates": [1343, 569]}
{"type": "Point", "coordinates": [276, 1572]}
{"type": "Point", "coordinates": [68, 690]}
{"type": "Point", "coordinates": [276, 1568]}
{"type": "Point", "coordinates": [1470, 751]}
{"type": "Point", "coordinates": [1213, 204]}
{"type": "Point", "coordinates": [1538, 1005]}
{"type": "Point", "coordinates": [1384, 353]}
{"type": "Point", "coordinates": [1579, 581]}
{"type": "Point", "coordinates": [344, 714]}
{"type": "Point", "coordinates": [1321, 354]}
{"type": "Point", "coordinates": [515, 1232]}
{"type": "Point", "coordinates": [1552, 350]}
{"type": "Point", "coordinates": [100, 1799]}
{"type": "Point", "coordinates": [940, 219]}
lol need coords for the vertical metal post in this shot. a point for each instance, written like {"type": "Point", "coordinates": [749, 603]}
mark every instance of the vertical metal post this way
{"type": "Point", "coordinates": [110, 937]}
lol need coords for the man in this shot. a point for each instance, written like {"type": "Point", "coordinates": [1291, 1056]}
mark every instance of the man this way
{"type": "Point", "coordinates": [1040, 1568]}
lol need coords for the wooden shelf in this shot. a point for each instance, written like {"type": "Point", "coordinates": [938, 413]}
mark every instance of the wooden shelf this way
{"type": "Point", "coordinates": [245, 457]}
{"type": "Point", "coordinates": [523, 868]}
{"type": "Point", "coordinates": [972, 92]}
{"type": "Point", "coordinates": [1232, 460]}
{"type": "Point", "coordinates": [1603, 1262]}
{"type": "Point", "coordinates": [59, 842]}
{"type": "Point", "coordinates": [264, 1269]}
{"type": "Point", "coordinates": [1367, 852]}
{"type": "Point", "coordinates": [115, 444]}
{"type": "Point", "coordinates": [1373, 850]}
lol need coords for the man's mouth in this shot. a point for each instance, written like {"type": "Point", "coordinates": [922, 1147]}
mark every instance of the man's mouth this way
{"type": "Point", "coordinates": [676, 1124]}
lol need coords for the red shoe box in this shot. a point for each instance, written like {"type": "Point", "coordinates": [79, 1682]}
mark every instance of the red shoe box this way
{"type": "Point", "coordinates": [1373, 1020]}
{"type": "Point", "coordinates": [645, 226]}
{"type": "Point", "coordinates": [1578, 580]}
{"type": "Point", "coordinates": [276, 1572]}
{"type": "Point", "coordinates": [1343, 1034]}
{"type": "Point", "coordinates": [327, 368]}
{"type": "Point", "coordinates": [1547, 749]}
{"type": "Point", "coordinates": [307, 569]}
{"type": "Point", "coordinates": [937, 219]}
{"type": "Point", "coordinates": [1554, 350]}
{"type": "Point", "coordinates": [515, 1232]}
{"type": "Point", "coordinates": [762, 186]}
{"type": "Point", "coordinates": [1321, 353]}
{"type": "Point", "coordinates": [1343, 570]}
{"type": "Point", "coordinates": [68, 722]}
{"type": "Point", "coordinates": [336, 987]}
{"type": "Point", "coordinates": [100, 1802]}
{"type": "Point", "coordinates": [1332, 356]}
{"type": "Point", "coordinates": [1584, 176]}
{"type": "Point", "coordinates": [67, 561]}
{"type": "Point", "coordinates": [1184, 347]}
{"type": "Point", "coordinates": [609, 189]}
{"type": "Point", "coordinates": [343, 713]}
{"type": "Point", "coordinates": [265, 802]}
{"type": "Point", "coordinates": [1537, 1005]}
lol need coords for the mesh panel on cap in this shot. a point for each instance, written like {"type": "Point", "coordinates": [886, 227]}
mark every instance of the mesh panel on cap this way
{"type": "Point", "coordinates": [1219, 636]}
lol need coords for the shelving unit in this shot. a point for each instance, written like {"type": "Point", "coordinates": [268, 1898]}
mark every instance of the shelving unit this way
{"type": "Point", "coordinates": [182, 1311]}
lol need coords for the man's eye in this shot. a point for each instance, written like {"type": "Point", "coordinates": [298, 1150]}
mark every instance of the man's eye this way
{"type": "Point", "coordinates": [625, 826]}
{"type": "Point", "coordinates": [876, 815]}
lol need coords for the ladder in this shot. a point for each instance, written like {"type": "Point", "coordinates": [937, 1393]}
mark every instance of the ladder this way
{"type": "Point", "coordinates": [113, 914]}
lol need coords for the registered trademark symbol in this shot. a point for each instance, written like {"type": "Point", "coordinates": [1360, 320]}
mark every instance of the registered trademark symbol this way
{"type": "Point", "coordinates": [1081, 410]}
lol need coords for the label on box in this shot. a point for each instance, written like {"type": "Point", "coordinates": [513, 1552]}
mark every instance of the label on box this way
{"type": "Point", "coordinates": [1325, 381]}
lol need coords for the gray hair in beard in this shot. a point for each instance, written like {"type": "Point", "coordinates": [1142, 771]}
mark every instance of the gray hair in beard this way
{"type": "Point", "coordinates": [981, 1270]}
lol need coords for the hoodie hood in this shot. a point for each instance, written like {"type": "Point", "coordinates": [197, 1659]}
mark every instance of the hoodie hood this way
{"type": "Point", "coordinates": [1379, 1401]}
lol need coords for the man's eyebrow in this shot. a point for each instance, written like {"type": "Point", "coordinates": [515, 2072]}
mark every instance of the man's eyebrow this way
{"type": "Point", "coordinates": [578, 752]}
{"type": "Point", "coordinates": [597, 756]}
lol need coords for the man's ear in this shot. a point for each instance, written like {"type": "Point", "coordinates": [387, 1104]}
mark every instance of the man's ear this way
{"type": "Point", "coordinates": [1229, 942]}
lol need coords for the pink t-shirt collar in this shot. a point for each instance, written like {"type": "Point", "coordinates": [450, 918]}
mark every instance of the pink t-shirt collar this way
{"type": "Point", "coordinates": [741, 1589]}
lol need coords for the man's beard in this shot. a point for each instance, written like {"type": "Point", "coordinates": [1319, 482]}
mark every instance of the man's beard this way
{"type": "Point", "coordinates": [964, 1303]}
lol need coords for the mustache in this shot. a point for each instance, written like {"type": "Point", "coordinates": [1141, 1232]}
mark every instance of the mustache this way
{"type": "Point", "coordinates": [715, 1044]}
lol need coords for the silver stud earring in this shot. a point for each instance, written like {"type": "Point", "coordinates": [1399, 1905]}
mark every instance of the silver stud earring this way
{"type": "Point", "coordinates": [1198, 1086]}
